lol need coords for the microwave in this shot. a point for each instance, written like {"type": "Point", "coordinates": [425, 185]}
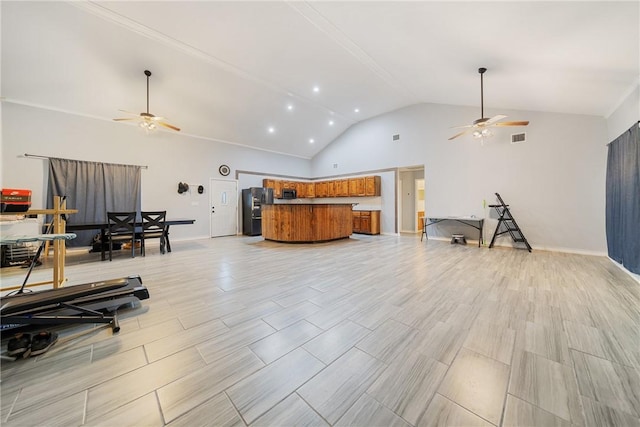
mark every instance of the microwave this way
{"type": "Point", "coordinates": [288, 193]}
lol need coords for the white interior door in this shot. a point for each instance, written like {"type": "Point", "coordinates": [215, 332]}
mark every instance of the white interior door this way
{"type": "Point", "coordinates": [224, 207]}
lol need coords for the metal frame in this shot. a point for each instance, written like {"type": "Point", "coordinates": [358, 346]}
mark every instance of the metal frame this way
{"type": "Point", "coordinates": [478, 224]}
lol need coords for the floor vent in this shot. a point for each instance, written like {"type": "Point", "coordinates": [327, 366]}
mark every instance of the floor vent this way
{"type": "Point", "coordinates": [517, 138]}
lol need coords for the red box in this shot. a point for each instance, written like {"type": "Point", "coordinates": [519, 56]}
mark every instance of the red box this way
{"type": "Point", "coordinates": [15, 200]}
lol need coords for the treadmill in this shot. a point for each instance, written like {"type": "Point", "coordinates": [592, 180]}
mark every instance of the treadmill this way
{"type": "Point", "coordinates": [95, 302]}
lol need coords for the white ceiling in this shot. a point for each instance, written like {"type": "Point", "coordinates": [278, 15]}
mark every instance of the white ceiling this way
{"type": "Point", "coordinates": [227, 71]}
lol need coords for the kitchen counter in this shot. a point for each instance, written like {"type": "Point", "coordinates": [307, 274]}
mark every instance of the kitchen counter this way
{"type": "Point", "coordinates": [300, 223]}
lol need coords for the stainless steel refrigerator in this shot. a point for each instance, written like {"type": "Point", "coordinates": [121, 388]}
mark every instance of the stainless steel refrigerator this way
{"type": "Point", "coordinates": [252, 200]}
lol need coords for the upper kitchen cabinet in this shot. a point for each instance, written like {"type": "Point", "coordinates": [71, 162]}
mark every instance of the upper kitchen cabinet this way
{"type": "Point", "coordinates": [346, 187]}
{"type": "Point", "coordinates": [301, 190]}
{"type": "Point", "coordinates": [356, 187]}
{"type": "Point", "coordinates": [331, 192]}
{"type": "Point", "coordinates": [372, 186]}
{"type": "Point", "coordinates": [275, 184]}
{"type": "Point", "coordinates": [311, 189]}
{"type": "Point", "coordinates": [341, 188]}
{"type": "Point", "coordinates": [321, 189]}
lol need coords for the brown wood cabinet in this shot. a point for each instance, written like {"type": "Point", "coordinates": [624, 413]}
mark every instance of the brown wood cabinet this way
{"type": "Point", "coordinates": [331, 189]}
{"type": "Point", "coordinates": [311, 189]}
{"type": "Point", "coordinates": [321, 189]}
{"type": "Point", "coordinates": [356, 187]}
{"type": "Point", "coordinates": [306, 222]}
{"type": "Point", "coordinates": [347, 187]}
{"type": "Point", "coordinates": [366, 222]}
{"type": "Point", "coordinates": [268, 183]}
{"type": "Point", "coordinates": [342, 188]}
{"type": "Point", "coordinates": [353, 187]}
{"type": "Point", "coordinates": [355, 215]}
{"type": "Point", "coordinates": [301, 190]}
{"type": "Point", "coordinates": [275, 184]}
{"type": "Point", "coordinates": [372, 185]}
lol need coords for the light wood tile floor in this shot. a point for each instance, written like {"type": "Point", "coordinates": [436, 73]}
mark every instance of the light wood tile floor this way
{"type": "Point", "coordinates": [368, 331]}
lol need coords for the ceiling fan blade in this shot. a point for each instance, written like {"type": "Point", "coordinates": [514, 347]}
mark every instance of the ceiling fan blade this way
{"type": "Point", "coordinates": [460, 134]}
{"type": "Point", "coordinates": [460, 127]}
{"type": "Point", "coordinates": [120, 120]}
{"type": "Point", "coordinates": [129, 112]}
{"type": "Point", "coordinates": [516, 123]}
{"type": "Point", "coordinates": [167, 125]}
{"type": "Point", "coordinates": [494, 119]}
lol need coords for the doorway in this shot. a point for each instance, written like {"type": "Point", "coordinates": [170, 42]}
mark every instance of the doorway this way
{"type": "Point", "coordinates": [411, 199]}
{"type": "Point", "coordinates": [224, 207]}
{"type": "Point", "coordinates": [419, 186]}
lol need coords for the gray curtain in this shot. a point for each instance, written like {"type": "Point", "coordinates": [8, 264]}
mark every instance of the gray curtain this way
{"type": "Point", "coordinates": [623, 200]}
{"type": "Point", "coordinates": [93, 188]}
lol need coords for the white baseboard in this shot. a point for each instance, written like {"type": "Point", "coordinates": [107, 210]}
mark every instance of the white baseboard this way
{"type": "Point", "coordinates": [634, 276]}
{"type": "Point", "coordinates": [535, 248]}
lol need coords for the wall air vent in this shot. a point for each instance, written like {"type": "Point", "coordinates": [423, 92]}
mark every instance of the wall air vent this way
{"type": "Point", "coordinates": [396, 137]}
{"type": "Point", "coordinates": [517, 138]}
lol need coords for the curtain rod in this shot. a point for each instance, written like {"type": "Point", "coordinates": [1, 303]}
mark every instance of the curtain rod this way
{"type": "Point", "coordinates": [609, 143]}
{"type": "Point", "coordinates": [37, 156]}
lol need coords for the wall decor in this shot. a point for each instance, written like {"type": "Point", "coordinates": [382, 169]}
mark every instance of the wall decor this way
{"type": "Point", "coordinates": [183, 187]}
{"type": "Point", "coordinates": [224, 170]}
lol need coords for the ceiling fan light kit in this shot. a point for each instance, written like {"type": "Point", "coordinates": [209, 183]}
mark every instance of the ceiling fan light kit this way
{"type": "Point", "coordinates": [484, 133]}
{"type": "Point", "coordinates": [148, 121]}
{"type": "Point", "coordinates": [480, 127]}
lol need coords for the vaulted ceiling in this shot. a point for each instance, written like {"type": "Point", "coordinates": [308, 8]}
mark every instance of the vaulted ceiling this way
{"type": "Point", "coordinates": [230, 71]}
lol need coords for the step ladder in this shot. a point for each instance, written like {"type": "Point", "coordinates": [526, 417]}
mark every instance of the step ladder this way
{"type": "Point", "coordinates": [510, 225]}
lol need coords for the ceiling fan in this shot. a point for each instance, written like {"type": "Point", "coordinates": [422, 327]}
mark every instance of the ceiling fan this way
{"type": "Point", "coordinates": [147, 120]}
{"type": "Point", "coordinates": [480, 127]}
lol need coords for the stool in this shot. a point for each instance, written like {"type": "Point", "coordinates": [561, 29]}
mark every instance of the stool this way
{"type": "Point", "coordinates": [458, 238]}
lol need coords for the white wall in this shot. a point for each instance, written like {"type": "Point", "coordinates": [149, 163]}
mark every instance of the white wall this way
{"type": "Point", "coordinates": [627, 113]}
{"type": "Point", "coordinates": [554, 182]}
{"type": "Point", "coordinates": [171, 157]}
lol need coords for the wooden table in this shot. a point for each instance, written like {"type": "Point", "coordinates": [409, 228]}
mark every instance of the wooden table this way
{"type": "Point", "coordinates": [104, 226]}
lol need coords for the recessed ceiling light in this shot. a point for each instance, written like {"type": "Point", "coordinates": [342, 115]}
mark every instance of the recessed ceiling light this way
{"type": "Point", "coordinates": [357, 110]}
{"type": "Point", "coordinates": [311, 141]}
{"type": "Point", "coordinates": [289, 107]}
{"type": "Point", "coordinates": [271, 130]}
{"type": "Point", "coordinates": [330, 122]}
{"type": "Point", "coordinates": [316, 89]}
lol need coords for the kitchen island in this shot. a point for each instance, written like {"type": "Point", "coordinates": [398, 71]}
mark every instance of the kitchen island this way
{"type": "Point", "coordinates": [309, 222]}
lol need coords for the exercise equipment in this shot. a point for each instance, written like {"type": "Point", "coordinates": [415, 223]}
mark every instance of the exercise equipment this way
{"type": "Point", "coordinates": [84, 303]}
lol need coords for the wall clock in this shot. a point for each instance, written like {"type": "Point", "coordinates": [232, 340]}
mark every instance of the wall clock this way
{"type": "Point", "coordinates": [224, 170]}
